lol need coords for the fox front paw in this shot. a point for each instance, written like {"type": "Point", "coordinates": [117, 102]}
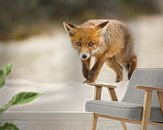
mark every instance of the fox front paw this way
{"type": "Point", "coordinates": [87, 81]}
{"type": "Point", "coordinates": [92, 76]}
{"type": "Point", "coordinates": [117, 80]}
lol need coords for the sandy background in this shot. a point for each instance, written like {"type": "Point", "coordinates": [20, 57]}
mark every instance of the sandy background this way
{"type": "Point", "coordinates": [47, 64]}
{"type": "Point", "coordinates": [50, 58]}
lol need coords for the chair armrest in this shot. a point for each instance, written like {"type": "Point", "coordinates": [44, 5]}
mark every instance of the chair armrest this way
{"type": "Point", "coordinates": [101, 85]}
{"type": "Point", "coordinates": [150, 88]}
{"type": "Point", "coordinates": [98, 88]}
{"type": "Point", "coordinates": [148, 91]}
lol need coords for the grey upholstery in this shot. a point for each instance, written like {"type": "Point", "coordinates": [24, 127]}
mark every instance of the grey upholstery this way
{"type": "Point", "coordinates": [125, 110]}
{"type": "Point", "coordinates": [131, 105]}
{"type": "Point", "coordinates": [143, 77]}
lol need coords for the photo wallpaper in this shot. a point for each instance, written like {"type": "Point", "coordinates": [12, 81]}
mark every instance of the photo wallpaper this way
{"type": "Point", "coordinates": [50, 50]}
{"type": "Point", "coordinates": [43, 40]}
{"type": "Point", "coordinates": [34, 40]}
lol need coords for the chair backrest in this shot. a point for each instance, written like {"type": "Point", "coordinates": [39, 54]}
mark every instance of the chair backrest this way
{"type": "Point", "coordinates": [147, 77]}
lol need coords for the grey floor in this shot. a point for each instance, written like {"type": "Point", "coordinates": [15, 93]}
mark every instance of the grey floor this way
{"type": "Point", "coordinates": [70, 125]}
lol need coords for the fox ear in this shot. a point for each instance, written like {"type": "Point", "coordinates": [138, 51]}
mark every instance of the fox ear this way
{"type": "Point", "coordinates": [100, 26]}
{"type": "Point", "coordinates": [70, 28]}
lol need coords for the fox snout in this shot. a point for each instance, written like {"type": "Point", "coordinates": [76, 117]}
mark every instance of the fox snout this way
{"type": "Point", "coordinates": [84, 56]}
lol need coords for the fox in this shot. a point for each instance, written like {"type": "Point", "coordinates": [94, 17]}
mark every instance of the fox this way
{"type": "Point", "coordinates": [109, 41]}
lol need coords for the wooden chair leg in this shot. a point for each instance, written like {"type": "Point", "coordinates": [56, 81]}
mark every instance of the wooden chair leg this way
{"type": "Point", "coordinates": [160, 98]}
{"type": "Point", "coordinates": [124, 125]}
{"type": "Point", "coordinates": [113, 97]}
{"type": "Point", "coordinates": [97, 93]}
{"type": "Point", "coordinates": [94, 122]}
{"type": "Point", "coordinates": [146, 109]}
{"type": "Point", "coordinates": [112, 94]}
{"type": "Point", "coordinates": [97, 96]}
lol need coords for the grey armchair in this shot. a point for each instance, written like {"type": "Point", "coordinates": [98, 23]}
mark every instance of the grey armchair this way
{"type": "Point", "coordinates": [142, 102]}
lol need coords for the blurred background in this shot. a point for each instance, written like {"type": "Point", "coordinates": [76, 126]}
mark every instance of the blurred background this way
{"type": "Point", "coordinates": [32, 36]}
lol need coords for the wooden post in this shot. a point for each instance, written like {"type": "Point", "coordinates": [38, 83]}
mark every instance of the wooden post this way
{"type": "Point", "coordinates": [94, 122]}
{"type": "Point", "coordinates": [112, 94]}
{"type": "Point", "coordinates": [146, 109]}
{"type": "Point", "coordinates": [97, 93]}
{"type": "Point", "coordinates": [97, 96]}
{"type": "Point", "coordinates": [124, 125]}
{"type": "Point", "coordinates": [160, 98]}
{"type": "Point", "coordinates": [113, 97]}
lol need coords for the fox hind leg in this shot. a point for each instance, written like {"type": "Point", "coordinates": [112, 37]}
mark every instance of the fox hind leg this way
{"type": "Point", "coordinates": [112, 63]}
{"type": "Point", "coordinates": [131, 66]}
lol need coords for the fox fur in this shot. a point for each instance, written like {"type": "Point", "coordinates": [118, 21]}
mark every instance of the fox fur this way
{"type": "Point", "coordinates": [109, 41]}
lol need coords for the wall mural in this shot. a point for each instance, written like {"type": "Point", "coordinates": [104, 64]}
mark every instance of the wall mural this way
{"type": "Point", "coordinates": [55, 46]}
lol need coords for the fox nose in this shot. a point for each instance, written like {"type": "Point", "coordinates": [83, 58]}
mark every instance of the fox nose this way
{"type": "Point", "coordinates": [84, 56]}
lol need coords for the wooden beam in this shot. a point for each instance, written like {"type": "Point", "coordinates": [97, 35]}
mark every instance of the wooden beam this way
{"type": "Point", "coordinates": [127, 120]}
{"type": "Point", "coordinates": [119, 119]}
{"type": "Point", "coordinates": [101, 85]}
{"type": "Point", "coordinates": [150, 88]}
{"type": "Point", "coordinates": [112, 94]}
{"type": "Point", "coordinates": [156, 123]}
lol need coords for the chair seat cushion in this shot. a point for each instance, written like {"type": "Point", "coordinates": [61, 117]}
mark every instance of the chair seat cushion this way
{"type": "Point", "coordinates": [125, 110]}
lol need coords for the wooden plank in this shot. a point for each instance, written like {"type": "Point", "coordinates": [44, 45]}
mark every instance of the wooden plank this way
{"type": "Point", "coordinates": [119, 119]}
{"type": "Point", "coordinates": [156, 123]}
{"type": "Point", "coordinates": [101, 85]}
{"type": "Point", "coordinates": [127, 120]}
{"type": "Point", "coordinates": [150, 88]}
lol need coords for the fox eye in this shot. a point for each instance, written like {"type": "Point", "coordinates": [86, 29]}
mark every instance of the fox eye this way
{"type": "Point", "coordinates": [90, 44]}
{"type": "Point", "coordinates": [78, 43]}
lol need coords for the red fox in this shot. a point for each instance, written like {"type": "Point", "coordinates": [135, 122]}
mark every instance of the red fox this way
{"type": "Point", "coordinates": [109, 41]}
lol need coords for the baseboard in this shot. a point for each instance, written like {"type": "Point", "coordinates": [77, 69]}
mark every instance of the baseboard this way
{"type": "Point", "coordinates": [44, 116]}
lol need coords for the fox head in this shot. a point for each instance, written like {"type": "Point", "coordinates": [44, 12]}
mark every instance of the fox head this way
{"type": "Point", "coordinates": [86, 40]}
